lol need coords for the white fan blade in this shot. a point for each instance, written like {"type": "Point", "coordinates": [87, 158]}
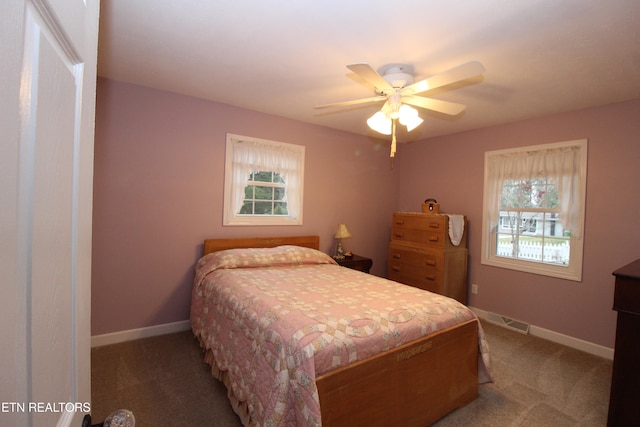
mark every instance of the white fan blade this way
{"type": "Point", "coordinates": [438, 105]}
{"type": "Point", "coordinates": [456, 74]}
{"type": "Point", "coordinates": [370, 75]}
{"type": "Point", "coordinates": [354, 102]}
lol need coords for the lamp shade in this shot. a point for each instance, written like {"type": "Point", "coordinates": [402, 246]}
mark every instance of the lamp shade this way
{"type": "Point", "coordinates": [343, 232]}
{"type": "Point", "coordinates": [409, 117]}
{"type": "Point", "coordinates": [380, 123]}
{"type": "Point", "coordinates": [412, 123]}
{"type": "Point", "coordinates": [406, 112]}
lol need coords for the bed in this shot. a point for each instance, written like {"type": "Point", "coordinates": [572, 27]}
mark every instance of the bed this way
{"type": "Point", "coordinates": [299, 340]}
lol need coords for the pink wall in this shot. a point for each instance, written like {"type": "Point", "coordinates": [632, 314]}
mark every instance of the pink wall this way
{"type": "Point", "coordinates": [159, 170]}
{"type": "Point", "coordinates": [450, 169]}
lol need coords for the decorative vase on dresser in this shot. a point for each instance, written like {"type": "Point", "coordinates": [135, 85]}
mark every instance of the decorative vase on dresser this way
{"type": "Point", "coordinates": [422, 254]}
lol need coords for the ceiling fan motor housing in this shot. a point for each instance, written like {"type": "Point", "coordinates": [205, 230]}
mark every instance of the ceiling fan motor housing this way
{"type": "Point", "coordinates": [399, 80]}
{"type": "Point", "coordinates": [397, 75]}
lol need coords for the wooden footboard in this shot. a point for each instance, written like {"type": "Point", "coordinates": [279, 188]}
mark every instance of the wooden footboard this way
{"type": "Point", "coordinates": [413, 385]}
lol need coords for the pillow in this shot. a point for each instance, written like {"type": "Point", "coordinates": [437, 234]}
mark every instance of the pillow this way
{"type": "Point", "coordinates": [287, 255]}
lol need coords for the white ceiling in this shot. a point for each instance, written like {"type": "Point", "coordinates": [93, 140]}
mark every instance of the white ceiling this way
{"type": "Point", "coordinates": [283, 57]}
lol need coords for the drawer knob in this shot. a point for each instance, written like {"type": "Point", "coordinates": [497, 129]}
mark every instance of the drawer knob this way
{"type": "Point", "coordinates": [433, 238]}
{"type": "Point", "coordinates": [430, 277]}
{"type": "Point", "coordinates": [434, 224]}
{"type": "Point", "coordinates": [400, 221]}
{"type": "Point", "coordinates": [396, 256]}
{"type": "Point", "coordinates": [399, 234]}
{"type": "Point", "coordinates": [395, 268]}
{"type": "Point", "coordinates": [431, 262]}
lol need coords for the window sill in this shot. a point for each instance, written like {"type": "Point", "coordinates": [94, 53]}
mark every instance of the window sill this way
{"type": "Point", "coordinates": [262, 220]}
{"type": "Point", "coordinates": [560, 272]}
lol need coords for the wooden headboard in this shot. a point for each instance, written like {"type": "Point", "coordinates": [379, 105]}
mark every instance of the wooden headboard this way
{"type": "Point", "coordinates": [214, 245]}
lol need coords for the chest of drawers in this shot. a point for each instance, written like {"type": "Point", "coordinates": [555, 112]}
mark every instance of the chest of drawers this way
{"type": "Point", "coordinates": [421, 254]}
{"type": "Point", "coordinates": [625, 379]}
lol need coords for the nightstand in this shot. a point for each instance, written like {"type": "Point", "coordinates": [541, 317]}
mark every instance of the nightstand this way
{"type": "Point", "coordinates": [356, 262]}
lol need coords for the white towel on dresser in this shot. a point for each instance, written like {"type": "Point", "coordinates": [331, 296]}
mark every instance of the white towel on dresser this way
{"type": "Point", "coordinates": [456, 228]}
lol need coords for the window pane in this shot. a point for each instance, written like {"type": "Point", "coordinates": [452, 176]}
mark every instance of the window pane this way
{"type": "Point", "coordinates": [263, 176]}
{"type": "Point", "coordinates": [532, 236]}
{"type": "Point", "coordinates": [280, 208]}
{"type": "Point", "coordinates": [248, 192]}
{"type": "Point", "coordinates": [529, 194]}
{"type": "Point", "coordinates": [264, 193]}
{"type": "Point", "coordinates": [261, 199]}
{"type": "Point", "coordinates": [263, 208]}
{"type": "Point", "coordinates": [278, 193]}
{"type": "Point", "coordinates": [552, 251]}
{"type": "Point", "coordinates": [247, 208]}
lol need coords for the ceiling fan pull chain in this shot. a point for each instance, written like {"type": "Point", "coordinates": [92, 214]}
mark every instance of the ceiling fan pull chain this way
{"type": "Point", "coordinates": [393, 137]}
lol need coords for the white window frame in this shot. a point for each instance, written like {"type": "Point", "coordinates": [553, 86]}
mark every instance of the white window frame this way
{"type": "Point", "coordinates": [571, 195]}
{"type": "Point", "coordinates": [245, 154]}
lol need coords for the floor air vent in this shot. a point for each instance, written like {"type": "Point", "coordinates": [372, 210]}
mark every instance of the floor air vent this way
{"type": "Point", "coordinates": [516, 325]}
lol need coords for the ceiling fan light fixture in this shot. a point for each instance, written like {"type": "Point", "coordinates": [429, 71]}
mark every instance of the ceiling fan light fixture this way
{"type": "Point", "coordinates": [405, 112]}
{"type": "Point", "coordinates": [412, 123]}
{"type": "Point", "coordinates": [395, 83]}
{"type": "Point", "coordinates": [380, 123]}
{"type": "Point", "coordinates": [409, 117]}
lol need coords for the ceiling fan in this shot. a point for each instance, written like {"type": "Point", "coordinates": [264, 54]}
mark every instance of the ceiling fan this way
{"type": "Point", "coordinates": [395, 85]}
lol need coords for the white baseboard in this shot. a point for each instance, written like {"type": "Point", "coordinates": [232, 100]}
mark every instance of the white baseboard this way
{"type": "Point", "coordinates": [578, 344]}
{"type": "Point", "coordinates": [134, 334]}
{"type": "Point", "coordinates": [184, 325]}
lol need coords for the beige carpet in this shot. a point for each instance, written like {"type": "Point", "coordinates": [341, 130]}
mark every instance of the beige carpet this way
{"type": "Point", "coordinates": [164, 381]}
{"type": "Point", "coordinates": [538, 383]}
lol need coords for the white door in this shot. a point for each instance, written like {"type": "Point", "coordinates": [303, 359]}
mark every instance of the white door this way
{"type": "Point", "coordinates": [47, 108]}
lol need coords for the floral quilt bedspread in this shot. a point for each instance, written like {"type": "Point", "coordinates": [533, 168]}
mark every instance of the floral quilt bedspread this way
{"type": "Point", "coordinates": [275, 318]}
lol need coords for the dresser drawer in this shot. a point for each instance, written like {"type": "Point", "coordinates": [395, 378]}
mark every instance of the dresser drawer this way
{"type": "Point", "coordinates": [430, 230]}
{"type": "Point", "coordinates": [421, 268]}
{"type": "Point", "coordinates": [403, 276]}
{"type": "Point", "coordinates": [430, 262]}
{"type": "Point", "coordinates": [419, 221]}
{"type": "Point", "coordinates": [416, 273]}
{"type": "Point", "coordinates": [423, 237]}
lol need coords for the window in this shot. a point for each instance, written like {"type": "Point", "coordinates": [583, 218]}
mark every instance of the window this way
{"type": "Point", "coordinates": [263, 182]}
{"type": "Point", "coordinates": [264, 194]}
{"type": "Point", "coordinates": [533, 214]}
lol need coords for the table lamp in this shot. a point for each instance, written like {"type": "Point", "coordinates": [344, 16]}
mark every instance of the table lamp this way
{"type": "Point", "coordinates": [342, 233]}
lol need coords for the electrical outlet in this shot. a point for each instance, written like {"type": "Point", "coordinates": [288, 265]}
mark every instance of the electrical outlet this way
{"type": "Point", "coordinates": [474, 288]}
